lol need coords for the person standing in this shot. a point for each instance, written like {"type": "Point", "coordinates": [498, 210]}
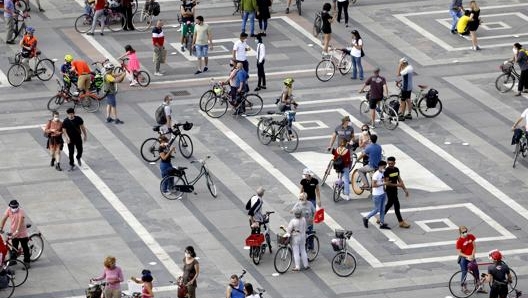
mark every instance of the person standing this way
{"type": "Point", "coordinates": [29, 50]}
{"type": "Point", "coordinates": [235, 289]}
{"type": "Point", "coordinates": [250, 293]}
{"type": "Point", "coordinates": [166, 168]}
{"type": "Point", "coordinates": [75, 132]}
{"type": "Point", "coordinates": [99, 16]}
{"type": "Point", "coordinates": [241, 82]}
{"type": "Point", "coordinates": [113, 276]}
{"type": "Point", "coordinates": [455, 10]}
{"type": "Point", "coordinates": [393, 180]}
{"type": "Point", "coordinates": [146, 283]}
{"type": "Point", "coordinates": [520, 56]}
{"type": "Point", "coordinates": [55, 141]}
{"type": "Point", "coordinates": [249, 8]}
{"type": "Point", "coordinates": [126, 6]}
{"type": "Point", "coordinates": [263, 15]}
{"type": "Point", "coordinates": [310, 186]}
{"type": "Point", "coordinates": [261, 58]}
{"type": "Point", "coordinates": [378, 90]}
{"type": "Point", "coordinates": [342, 5]}
{"type": "Point", "coordinates": [466, 248]}
{"type": "Point", "coordinates": [239, 51]}
{"type": "Point", "coordinates": [326, 27]}
{"type": "Point", "coordinates": [406, 71]}
{"type": "Point", "coordinates": [110, 81]}
{"type": "Point", "coordinates": [473, 24]}
{"type": "Point", "coordinates": [356, 52]}
{"type": "Point", "coordinates": [308, 212]}
{"type": "Point", "coordinates": [191, 270]}
{"type": "Point", "coordinates": [499, 276]}
{"type": "Point", "coordinates": [18, 228]}
{"type": "Point", "coordinates": [187, 11]}
{"type": "Point", "coordinates": [297, 231]}
{"type": "Point", "coordinates": [167, 127]}
{"type": "Point", "coordinates": [158, 39]}
{"type": "Point", "coordinates": [203, 38]}
{"type": "Point", "coordinates": [9, 15]}
{"type": "Point", "coordinates": [378, 196]}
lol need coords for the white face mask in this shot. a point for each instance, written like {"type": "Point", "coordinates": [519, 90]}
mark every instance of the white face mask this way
{"type": "Point", "coordinates": [55, 118]}
{"type": "Point", "coordinates": [14, 210]}
{"type": "Point", "coordinates": [187, 255]}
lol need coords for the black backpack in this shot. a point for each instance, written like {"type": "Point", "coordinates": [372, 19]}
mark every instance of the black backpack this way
{"type": "Point", "coordinates": [431, 98]}
{"type": "Point", "coordinates": [155, 8]}
{"type": "Point", "coordinates": [160, 116]}
{"type": "Point", "coordinates": [339, 163]}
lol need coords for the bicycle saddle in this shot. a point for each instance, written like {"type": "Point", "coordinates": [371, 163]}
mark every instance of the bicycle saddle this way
{"type": "Point", "coordinates": [28, 226]}
{"type": "Point", "coordinates": [38, 53]}
{"type": "Point", "coordinates": [422, 87]}
{"type": "Point", "coordinates": [156, 127]}
{"type": "Point", "coordinates": [181, 168]}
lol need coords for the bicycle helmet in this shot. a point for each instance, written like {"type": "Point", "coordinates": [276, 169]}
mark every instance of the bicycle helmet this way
{"type": "Point", "coordinates": [187, 125]}
{"type": "Point", "coordinates": [496, 255]}
{"type": "Point", "coordinates": [288, 81]}
{"type": "Point", "coordinates": [68, 58]}
{"type": "Point", "coordinates": [30, 29]}
{"type": "Point", "coordinates": [109, 66]}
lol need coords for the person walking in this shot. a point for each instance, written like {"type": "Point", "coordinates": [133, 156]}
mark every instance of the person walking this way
{"type": "Point", "coordinates": [393, 180]}
{"type": "Point", "coordinates": [297, 231]}
{"type": "Point", "coordinates": [456, 10]}
{"type": "Point", "coordinates": [342, 5]}
{"type": "Point", "coordinates": [202, 41]}
{"type": "Point", "coordinates": [263, 15]}
{"type": "Point", "coordinates": [520, 56]}
{"type": "Point", "coordinates": [55, 142]}
{"type": "Point", "coordinates": [326, 27]}
{"type": "Point", "coordinates": [158, 39]}
{"type": "Point", "coordinates": [467, 249]}
{"type": "Point", "coordinates": [378, 90]}
{"type": "Point", "coordinates": [473, 24]}
{"type": "Point", "coordinates": [406, 72]}
{"type": "Point", "coordinates": [356, 52]}
{"type": "Point", "coordinates": [249, 8]}
{"type": "Point", "coordinates": [9, 15]}
{"type": "Point", "coordinates": [310, 186]}
{"type": "Point", "coordinates": [235, 288]}
{"type": "Point", "coordinates": [378, 197]}
{"type": "Point", "coordinates": [75, 132]}
{"type": "Point", "coordinates": [191, 270]}
{"type": "Point", "coordinates": [99, 16]}
{"type": "Point", "coordinates": [261, 58]}
{"type": "Point", "coordinates": [239, 51]}
{"type": "Point", "coordinates": [110, 81]}
{"type": "Point", "coordinates": [17, 228]}
{"type": "Point", "coordinates": [113, 276]}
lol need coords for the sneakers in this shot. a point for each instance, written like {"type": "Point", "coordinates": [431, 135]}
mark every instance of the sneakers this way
{"type": "Point", "coordinates": [404, 225]}
{"type": "Point", "coordinates": [205, 69]}
{"type": "Point", "coordinates": [89, 33]}
{"type": "Point", "coordinates": [52, 163]}
{"type": "Point", "coordinates": [453, 31]}
{"type": "Point", "coordinates": [345, 197]}
{"type": "Point", "coordinates": [287, 10]}
{"type": "Point", "coordinates": [365, 222]}
{"type": "Point", "coordinates": [182, 49]}
{"type": "Point", "coordinates": [10, 41]}
{"type": "Point", "coordinates": [385, 226]}
{"type": "Point", "coordinates": [133, 83]}
{"type": "Point", "coordinates": [57, 167]}
{"type": "Point", "coordinates": [408, 116]}
{"type": "Point", "coordinates": [159, 74]}
{"type": "Point", "coordinates": [79, 162]}
{"type": "Point", "coordinates": [117, 121]}
{"type": "Point", "coordinates": [197, 72]}
{"type": "Point", "coordinates": [401, 117]}
{"type": "Point", "coordinates": [108, 120]}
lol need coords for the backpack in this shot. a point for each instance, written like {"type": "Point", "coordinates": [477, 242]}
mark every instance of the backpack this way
{"type": "Point", "coordinates": [318, 24]}
{"type": "Point", "coordinates": [160, 116]}
{"type": "Point", "coordinates": [431, 98]}
{"type": "Point", "coordinates": [339, 163]}
{"type": "Point", "coordinates": [253, 209]}
{"type": "Point", "coordinates": [155, 8]}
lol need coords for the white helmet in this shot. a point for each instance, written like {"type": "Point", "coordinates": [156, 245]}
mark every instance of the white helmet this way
{"type": "Point", "coordinates": [109, 66]}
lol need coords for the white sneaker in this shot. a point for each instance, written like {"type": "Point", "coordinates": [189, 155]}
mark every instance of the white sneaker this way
{"type": "Point", "coordinates": [179, 29]}
{"type": "Point", "coordinates": [159, 74]}
{"type": "Point", "coordinates": [345, 197]}
{"type": "Point", "coordinates": [134, 83]}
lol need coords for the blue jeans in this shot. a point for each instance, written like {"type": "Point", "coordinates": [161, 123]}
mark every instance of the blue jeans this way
{"type": "Point", "coordinates": [251, 15]}
{"type": "Point", "coordinates": [455, 15]}
{"type": "Point", "coordinates": [464, 268]}
{"type": "Point", "coordinates": [379, 206]}
{"type": "Point", "coordinates": [345, 177]}
{"type": "Point", "coordinates": [263, 24]}
{"type": "Point", "coordinates": [165, 168]}
{"type": "Point", "coordinates": [356, 64]}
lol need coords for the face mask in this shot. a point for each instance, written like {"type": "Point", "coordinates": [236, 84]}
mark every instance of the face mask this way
{"type": "Point", "coordinates": [55, 118]}
{"type": "Point", "coordinates": [464, 234]}
{"type": "Point", "coordinates": [14, 210]}
{"type": "Point", "coordinates": [187, 255]}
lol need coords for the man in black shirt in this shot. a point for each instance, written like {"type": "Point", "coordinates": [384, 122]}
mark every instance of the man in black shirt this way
{"type": "Point", "coordinates": [310, 185]}
{"type": "Point", "coordinates": [75, 132]}
{"type": "Point", "coordinates": [499, 276]}
{"type": "Point", "coordinates": [393, 179]}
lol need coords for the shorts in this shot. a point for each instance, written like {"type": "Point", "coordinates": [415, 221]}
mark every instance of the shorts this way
{"type": "Point", "coordinates": [201, 50]}
{"type": "Point", "coordinates": [187, 29]}
{"type": "Point", "coordinates": [111, 100]}
{"type": "Point", "coordinates": [405, 95]}
{"type": "Point", "coordinates": [373, 102]}
{"type": "Point", "coordinates": [83, 82]}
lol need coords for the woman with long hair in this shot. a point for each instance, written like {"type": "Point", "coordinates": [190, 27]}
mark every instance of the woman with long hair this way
{"type": "Point", "coordinates": [55, 142]}
{"type": "Point", "coordinates": [473, 24]}
{"type": "Point", "coordinates": [356, 52]}
{"type": "Point", "coordinates": [327, 19]}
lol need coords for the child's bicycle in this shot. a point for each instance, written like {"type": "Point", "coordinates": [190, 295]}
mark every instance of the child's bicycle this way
{"type": "Point", "coordinates": [343, 263]}
{"type": "Point", "coordinates": [96, 288]}
{"type": "Point", "coordinates": [259, 242]}
{"type": "Point", "coordinates": [140, 76]}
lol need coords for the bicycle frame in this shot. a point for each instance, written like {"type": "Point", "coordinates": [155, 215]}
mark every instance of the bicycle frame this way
{"type": "Point", "coordinates": [203, 171]}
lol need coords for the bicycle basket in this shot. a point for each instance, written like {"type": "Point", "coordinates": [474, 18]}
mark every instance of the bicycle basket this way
{"type": "Point", "coordinates": [281, 240]}
{"type": "Point", "coordinates": [14, 60]}
{"type": "Point", "coordinates": [255, 240]}
{"type": "Point", "coordinates": [217, 89]}
{"type": "Point", "coordinates": [506, 67]}
{"type": "Point", "coordinates": [340, 234]}
{"type": "Point", "coordinates": [338, 244]}
{"type": "Point", "coordinates": [187, 125]}
{"type": "Point", "coordinates": [94, 292]}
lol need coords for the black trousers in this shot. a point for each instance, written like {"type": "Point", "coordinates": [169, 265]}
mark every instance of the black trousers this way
{"type": "Point", "coordinates": [75, 145]}
{"type": "Point", "coordinates": [523, 81]}
{"type": "Point", "coordinates": [392, 199]}
{"type": "Point", "coordinates": [127, 13]}
{"type": "Point", "coordinates": [25, 247]}
{"type": "Point", "coordinates": [342, 6]}
{"type": "Point", "coordinates": [261, 74]}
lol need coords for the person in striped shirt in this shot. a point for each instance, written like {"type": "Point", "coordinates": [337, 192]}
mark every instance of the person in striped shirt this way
{"type": "Point", "coordinates": [158, 38]}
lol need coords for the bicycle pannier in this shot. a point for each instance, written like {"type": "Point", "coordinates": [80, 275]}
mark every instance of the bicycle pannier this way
{"type": "Point", "coordinates": [431, 99]}
{"type": "Point", "coordinates": [159, 115]}
{"type": "Point", "coordinates": [155, 8]}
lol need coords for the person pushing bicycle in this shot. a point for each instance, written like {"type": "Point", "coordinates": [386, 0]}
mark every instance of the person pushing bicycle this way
{"type": "Point", "coordinates": [499, 276]}
{"type": "Point", "coordinates": [254, 207]}
{"type": "Point", "coordinates": [345, 131]}
{"type": "Point", "coordinates": [287, 102]}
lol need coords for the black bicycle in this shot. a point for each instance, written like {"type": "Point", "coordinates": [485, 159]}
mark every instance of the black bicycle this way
{"type": "Point", "coordinates": [17, 73]}
{"type": "Point", "coordinates": [520, 148]}
{"type": "Point", "coordinates": [506, 80]}
{"type": "Point", "coordinates": [176, 184]}
{"type": "Point", "coordinates": [19, 27]}
{"type": "Point", "coordinates": [269, 130]}
{"type": "Point", "coordinates": [150, 147]}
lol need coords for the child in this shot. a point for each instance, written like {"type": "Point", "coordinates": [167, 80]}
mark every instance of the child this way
{"type": "Point", "coordinates": [133, 65]}
{"type": "Point", "coordinates": [462, 24]}
{"type": "Point", "coordinates": [65, 71]}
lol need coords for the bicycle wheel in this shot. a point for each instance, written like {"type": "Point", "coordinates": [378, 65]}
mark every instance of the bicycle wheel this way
{"type": "Point", "coordinates": [462, 288]}
{"type": "Point", "coordinates": [186, 146]}
{"type": "Point", "coordinates": [389, 117]}
{"type": "Point", "coordinates": [265, 131]}
{"type": "Point", "coordinates": [115, 21]}
{"type": "Point", "coordinates": [7, 292]}
{"type": "Point", "coordinates": [364, 109]}
{"type": "Point", "coordinates": [253, 104]}
{"type": "Point", "coordinates": [45, 69]}
{"type": "Point", "coordinates": [337, 189]}
{"type": "Point", "coordinates": [289, 142]}
{"type": "Point", "coordinates": [134, 4]}
{"type": "Point", "coordinates": [216, 107]}
{"type": "Point", "coordinates": [210, 185]}
{"type": "Point", "coordinates": [83, 23]}
{"type": "Point", "coordinates": [345, 64]}
{"type": "Point", "coordinates": [327, 171]}
{"type": "Point", "coordinates": [516, 153]}
{"type": "Point", "coordinates": [21, 5]}
{"type": "Point", "coordinates": [356, 182]}
{"type": "Point", "coordinates": [205, 98]}
{"type": "Point", "coordinates": [268, 241]}
{"type": "Point", "coordinates": [17, 270]}
{"type": "Point", "coordinates": [55, 103]}
{"type": "Point", "coordinates": [283, 259]}
{"type": "Point", "coordinates": [143, 78]}
{"type": "Point", "coordinates": [298, 2]}
{"type": "Point", "coordinates": [313, 251]}
{"type": "Point", "coordinates": [173, 185]}
{"type": "Point", "coordinates": [150, 150]}
{"type": "Point", "coordinates": [90, 103]}
{"type": "Point", "coordinates": [505, 82]}
{"type": "Point", "coordinates": [141, 21]}
{"type": "Point", "coordinates": [343, 264]}
{"type": "Point", "coordinates": [513, 284]}
{"type": "Point", "coordinates": [36, 246]}
{"type": "Point", "coordinates": [256, 255]}
{"type": "Point", "coordinates": [429, 112]}
{"type": "Point", "coordinates": [16, 75]}
{"type": "Point", "coordinates": [325, 70]}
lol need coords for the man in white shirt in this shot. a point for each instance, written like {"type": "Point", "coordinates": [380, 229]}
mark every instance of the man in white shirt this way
{"type": "Point", "coordinates": [239, 51]}
{"type": "Point", "coordinates": [167, 127]}
{"type": "Point", "coordinates": [378, 196]}
{"type": "Point", "coordinates": [524, 116]}
{"type": "Point", "coordinates": [203, 38]}
{"type": "Point", "coordinates": [406, 71]}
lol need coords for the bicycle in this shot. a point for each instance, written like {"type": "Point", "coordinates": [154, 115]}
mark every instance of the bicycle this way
{"type": "Point", "coordinates": [96, 289]}
{"type": "Point", "coordinates": [142, 77]}
{"type": "Point", "coordinates": [178, 183]}
{"type": "Point", "coordinates": [236, 4]}
{"type": "Point", "coordinates": [284, 255]}
{"type": "Point", "coordinates": [35, 243]}
{"type": "Point", "coordinates": [7, 285]}
{"type": "Point", "coordinates": [150, 147]}
{"type": "Point", "coordinates": [44, 69]}
{"type": "Point", "coordinates": [420, 102]}
{"type": "Point", "coordinates": [88, 101]}
{"type": "Point", "coordinates": [96, 82]}
{"type": "Point", "coordinates": [344, 262]}
{"type": "Point", "coordinates": [506, 80]}
{"type": "Point", "coordinates": [521, 147]}
{"type": "Point", "coordinates": [114, 20]}
{"type": "Point", "coordinates": [338, 186]}
{"type": "Point", "coordinates": [464, 286]}
{"type": "Point", "coordinates": [386, 114]}
{"type": "Point", "coordinates": [17, 272]}
{"type": "Point", "coordinates": [219, 98]}
{"type": "Point", "coordinates": [19, 26]}
{"type": "Point", "coordinates": [325, 69]}
{"type": "Point", "coordinates": [259, 242]}
{"type": "Point", "coordinates": [21, 5]}
{"type": "Point", "coordinates": [142, 20]}
{"type": "Point", "coordinates": [269, 130]}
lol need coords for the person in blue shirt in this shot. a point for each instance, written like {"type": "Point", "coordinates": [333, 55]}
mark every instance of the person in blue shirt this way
{"type": "Point", "coordinates": [235, 289]}
{"type": "Point", "coordinates": [241, 85]}
{"type": "Point", "coordinates": [373, 151]}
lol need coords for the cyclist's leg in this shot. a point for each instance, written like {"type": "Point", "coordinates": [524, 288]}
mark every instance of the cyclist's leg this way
{"type": "Point", "coordinates": [185, 27]}
{"type": "Point", "coordinates": [346, 181]}
{"type": "Point", "coordinates": [373, 103]}
{"type": "Point", "coordinates": [363, 174]}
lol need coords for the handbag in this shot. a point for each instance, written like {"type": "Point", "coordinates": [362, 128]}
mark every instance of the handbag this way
{"type": "Point", "coordinates": [362, 52]}
{"type": "Point", "coordinates": [182, 288]}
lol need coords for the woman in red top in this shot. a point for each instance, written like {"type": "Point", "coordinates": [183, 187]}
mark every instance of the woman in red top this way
{"type": "Point", "coordinates": [343, 154]}
{"type": "Point", "coordinates": [467, 249]}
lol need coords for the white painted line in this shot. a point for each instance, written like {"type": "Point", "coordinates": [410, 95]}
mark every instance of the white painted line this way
{"type": "Point", "coordinates": [3, 80]}
{"type": "Point", "coordinates": [156, 290]}
{"type": "Point", "coordinates": [449, 225]}
{"type": "Point", "coordinates": [100, 48]}
{"type": "Point", "coordinates": [9, 128]}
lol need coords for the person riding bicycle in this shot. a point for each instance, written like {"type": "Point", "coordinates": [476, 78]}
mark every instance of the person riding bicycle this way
{"type": "Point", "coordinates": [235, 288]}
{"type": "Point", "coordinates": [254, 207]}
{"type": "Point", "coordinates": [374, 153]}
{"type": "Point", "coordinates": [132, 66]}
{"type": "Point", "coordinates": [83, 72]}
{"type": "Point", "coordinates": [499, 276]}
{"type": "Point", "coordinates": [345, 131]}
{"type": "Point", "coordinates": [286, 102]}
{"type": "Point", "coordinates": [364, 141]}
{"type": "Point", "coordinates": [518, 132]}
{"type": "Point", "coordinates": [67, 75]}
{"type": "Point", "coordinates": [342, 163]}
{"type": "Point", "coordinates": [187, 10]}
{"type": "Point", "coordinates": [29, 50]}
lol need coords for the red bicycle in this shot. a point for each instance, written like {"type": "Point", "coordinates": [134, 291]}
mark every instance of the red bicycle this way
{"type": "Point", "coordinates": [36, 246]}
{"type": "Point", "coordinates": [259, 242]}
{"type": "Point", "coordinates": [142, 77]}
